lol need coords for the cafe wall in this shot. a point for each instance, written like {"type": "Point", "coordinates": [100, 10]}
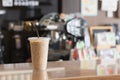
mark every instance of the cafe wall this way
{"type": "Point", "coordinates": [70, 6]}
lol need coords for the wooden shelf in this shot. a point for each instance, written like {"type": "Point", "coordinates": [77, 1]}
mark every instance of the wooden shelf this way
{"type": "Point", "coordinates": [102, 47]}
{"type": "Point", "coordinates": [92, 30]}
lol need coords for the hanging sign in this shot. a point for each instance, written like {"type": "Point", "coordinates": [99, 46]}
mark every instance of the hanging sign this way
{"type": "Point", "coordinates": [13, 3]}
{"type": "Point", "coordinates": [26, 3]}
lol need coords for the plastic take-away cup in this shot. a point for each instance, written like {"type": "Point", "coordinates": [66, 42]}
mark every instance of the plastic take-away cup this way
{"type": "Point", "coordinates": [39, 51]}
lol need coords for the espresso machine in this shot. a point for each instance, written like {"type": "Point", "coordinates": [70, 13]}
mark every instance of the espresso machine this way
{"type": "Point", "coordinates": [76, 28]}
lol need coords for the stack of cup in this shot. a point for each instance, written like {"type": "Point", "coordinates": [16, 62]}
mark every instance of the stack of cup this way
{"type": "Point", "coordinates": [39, 51]}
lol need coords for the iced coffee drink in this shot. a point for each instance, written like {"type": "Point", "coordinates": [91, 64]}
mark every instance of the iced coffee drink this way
{"type": "Point", "coordinates": [39, 52]}
{"type": "Point", "coordinates": [39, 75]}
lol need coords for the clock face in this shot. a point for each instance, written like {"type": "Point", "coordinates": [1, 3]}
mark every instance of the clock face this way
{"type": "Point", "coordinates": [75, 27]}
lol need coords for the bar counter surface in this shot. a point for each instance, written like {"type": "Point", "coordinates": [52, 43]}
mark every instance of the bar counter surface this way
{"type": "Point", "coordinates": [60, 70]}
